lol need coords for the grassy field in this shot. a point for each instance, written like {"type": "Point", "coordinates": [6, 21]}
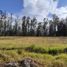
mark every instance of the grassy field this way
{"type": "Point", "coordinates": [50, 51]}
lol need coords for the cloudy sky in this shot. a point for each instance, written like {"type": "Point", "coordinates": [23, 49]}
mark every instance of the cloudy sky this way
{"type": "Point", "coordinates": [38, 8]}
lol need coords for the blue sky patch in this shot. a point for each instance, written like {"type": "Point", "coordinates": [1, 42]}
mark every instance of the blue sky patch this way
{"type": "Point", "coordinates": [62, 3]}
{"type": "Point", "coordinates": [11, 6]}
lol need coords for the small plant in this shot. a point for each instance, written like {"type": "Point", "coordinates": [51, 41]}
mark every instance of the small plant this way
{"type": "Point", "coordinates": [53, 51]}
{"type": "Point", "coordinates": [65, 50]}
{"type": "Point", "coordinates": [36, 49]}
{"type": "Point", "coordinates": [19, 51]}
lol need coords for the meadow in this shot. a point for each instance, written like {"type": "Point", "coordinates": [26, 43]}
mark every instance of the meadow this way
{"type": "Point", "coordinates": [50, 51]}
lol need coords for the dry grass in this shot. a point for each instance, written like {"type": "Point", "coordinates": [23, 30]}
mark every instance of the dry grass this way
{"type": "Point", "coordinates": [27, 41]}
{"type": "Point", "coordinates": [23, 42]}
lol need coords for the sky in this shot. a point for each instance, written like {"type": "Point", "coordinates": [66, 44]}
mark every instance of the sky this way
{"type": "Point", "coordinates": [62, 3]}
{"type": "Point", "coordinates": [12, 6]}
{"type": "Point", "coordinates": [35, 8]}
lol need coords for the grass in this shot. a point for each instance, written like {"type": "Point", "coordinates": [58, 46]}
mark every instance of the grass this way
{"type": "Point", "coordinates": [47, 50]}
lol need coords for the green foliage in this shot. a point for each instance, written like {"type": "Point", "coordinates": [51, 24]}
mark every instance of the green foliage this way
{"type": "Point", "coordinates": [51, 50]}
{"type": "Point", "coordinates": [35, 49]}
{"type": "Point", "coordinates": [65, 50]}
{"type": "Point", "coordinates": [19, 51]}
{"type": "Point", "coordinates": [55, 51]}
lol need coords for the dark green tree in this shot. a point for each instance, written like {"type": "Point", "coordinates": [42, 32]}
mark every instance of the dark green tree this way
{"type": "Point", "coordinates": [24, 24]}
{"type": "Point", "coordinates": [33, 26]}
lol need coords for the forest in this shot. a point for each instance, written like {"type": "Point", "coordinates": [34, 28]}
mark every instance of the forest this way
{"type": "Point", "coordinates": [31, 26]}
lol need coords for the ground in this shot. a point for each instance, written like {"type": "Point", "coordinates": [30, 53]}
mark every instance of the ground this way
{"type": "Point", "coordinates": [46, 50]}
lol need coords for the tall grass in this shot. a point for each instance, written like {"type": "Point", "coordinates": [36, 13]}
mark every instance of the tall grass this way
{"type": "Point", "coordinates": [50, 51]}
{"type": "Point", "coordinates": [43, 50]}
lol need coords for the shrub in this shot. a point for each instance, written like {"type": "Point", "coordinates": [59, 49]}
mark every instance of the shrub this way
{"type": "Point", "coordinates": [55, 51]}
{"type": "Point", "coordinates": [35, 49]}
{"type": "Point", "coordinates": [19, 51]}
{"type": "Point", "coordinates": [51, 50]}
{"type": "Point", "coordinates": [65, 50]}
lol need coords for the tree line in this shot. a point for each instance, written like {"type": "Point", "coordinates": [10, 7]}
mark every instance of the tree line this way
{"type": "Point", "coordinates": [31, 27]}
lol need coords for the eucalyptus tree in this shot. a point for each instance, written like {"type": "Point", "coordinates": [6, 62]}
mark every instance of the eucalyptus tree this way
{"type": "Point", "coordinates": [1, 24]}
{"type": "Point", "coordinates": [10, 21]}
{"type": "Point", "coordinates": [55, 24]}
{"type": "Point", "coordinates": [15, 27]}
{"type": "Point", "coordinates": [24, 28]}
{"type": "Point", "coordinates": [33, 25]}
{"type": "Point", "coordinates": [40, 29]}
{"type": "Point", "coordinates": [66, 25]}
{"type": "Point", "coordinates": [62, 31]}
{"type": "Point", "coordinates": [45, 23]}
{"type": "Point", "coordinates": [28, 20]}
{"type": "Point", "coordinates": [4, 24]}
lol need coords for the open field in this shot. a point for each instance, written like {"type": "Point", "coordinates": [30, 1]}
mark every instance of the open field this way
{"type": "Point", "coordinates": [46, 50]}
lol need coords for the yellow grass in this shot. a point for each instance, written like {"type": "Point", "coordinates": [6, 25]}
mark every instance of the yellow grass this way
{"type": "Point", "coordinates": [39, 41]}
{"type": "Point", "coordinates": [22, 42]}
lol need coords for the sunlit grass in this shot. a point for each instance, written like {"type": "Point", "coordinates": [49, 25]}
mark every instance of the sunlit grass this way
{"type": "Point", "coordinates": [39, 41]}
{"type": "Point", "coordinates": [44, 49]}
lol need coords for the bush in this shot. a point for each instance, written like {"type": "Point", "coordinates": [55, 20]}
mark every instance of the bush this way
{"type": "Point", "coordinates": [19, 51]}
{"type": "Point", "coordinates": [51, 50]}
{"type": "Point", "coordinates": [65, 50]}
{"type": "Point", "coordinates": [35, 49]}
{"type": "Point", "coordinates": [55, 51]}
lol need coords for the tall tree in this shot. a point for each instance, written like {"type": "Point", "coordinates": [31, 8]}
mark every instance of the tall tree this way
{"type": "Point", "coordinates": [45, 21]}
{"type": "Point", "coordinates": [15, 28]}
{"type": "Point", "coordinates": [40, 29]}
{"type": "Point", "coordinates": [33, 26]}
{"type": "Point", "coordinates": [4, 24]}
{"type": "Point", "coordinates": [24, 28]}
{"type": "Point", "coordinates": [62, 28]}
{"type": "Point", "coordinates": [55, 24]}
{"type": "Point", "coordinates": [28, 25]}
{"type": "Point", "coordinates": [1, 22]}
{"type": "Point", "coordinates": [10, 24]}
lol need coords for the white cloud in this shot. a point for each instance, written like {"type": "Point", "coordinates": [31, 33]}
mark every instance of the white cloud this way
{"type": "Point", "coordinates": [39, 8]}
{"type": "Point", "coordinates": [61, 12]}
{"type": "Point", "coordinates": [42, 8]}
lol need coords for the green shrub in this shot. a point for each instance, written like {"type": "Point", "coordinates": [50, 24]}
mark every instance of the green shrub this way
{"type": "Point", "coordinates": [65, 50]}
{"type": "Point", "coordinates": [35, 49]}
{"type": "Point", "coordinates": [51, 50]}
{"type": "Point", "coordinates": [19, 51]}
{"type": "Point", "coordinates": [55, 50]}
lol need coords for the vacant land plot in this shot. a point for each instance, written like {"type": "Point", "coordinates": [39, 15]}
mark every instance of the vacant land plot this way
{"type": "Point", "coordinates": [46, 50]}
{"type": "Point", "coordinates": [38, 41]}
